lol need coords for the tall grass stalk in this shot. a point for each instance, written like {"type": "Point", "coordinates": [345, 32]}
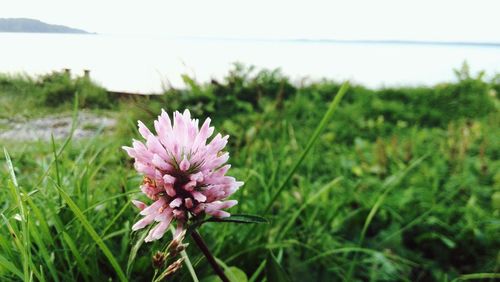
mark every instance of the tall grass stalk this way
{"type": "Point", "coordinates": [324, 121]}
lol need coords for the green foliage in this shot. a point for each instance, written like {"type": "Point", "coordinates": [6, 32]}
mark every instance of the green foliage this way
{"type": "Point", "coordinates": [14, 88]}
{"type": "Point", "coordinates": [92, 95]}
{"type": "Point", "coordinates": [60, 88]}
{"type": "Point", "coordinates": [402, 184]}
{"type": "Point", "coordinates": [57, 88]}
{"type": "Point", "coordinates": [53, 90]}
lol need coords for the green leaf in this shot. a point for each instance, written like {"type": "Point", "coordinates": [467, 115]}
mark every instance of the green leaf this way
{"type": "Point", "coordinates": [240, 218]}
{"type": "Point", "coordinates": [274, 271]}
{"type": "Point", "coordinates": [233, 273]}
{"type": "Point", "coordinates": [236, 274]}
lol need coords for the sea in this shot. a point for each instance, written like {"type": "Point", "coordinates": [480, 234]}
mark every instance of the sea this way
{"type": "Point", "coordinates": [148, 64]}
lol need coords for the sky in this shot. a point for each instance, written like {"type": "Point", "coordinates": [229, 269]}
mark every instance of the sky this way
{"type": "Point", "coordinates": [436, 20]}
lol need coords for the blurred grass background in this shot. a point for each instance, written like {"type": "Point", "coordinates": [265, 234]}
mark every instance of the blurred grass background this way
{"type": "Point", "coordinates": [403, 184]}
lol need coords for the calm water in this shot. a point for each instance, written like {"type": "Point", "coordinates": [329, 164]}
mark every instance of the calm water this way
{"type": "Point", "coordinates": [142, 64]}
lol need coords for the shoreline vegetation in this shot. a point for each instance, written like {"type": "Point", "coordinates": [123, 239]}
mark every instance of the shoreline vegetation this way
{"type": "Point", "coordinates": [403, 184]}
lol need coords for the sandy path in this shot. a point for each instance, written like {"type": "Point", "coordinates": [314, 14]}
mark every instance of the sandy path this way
{"type": "Point", "coordinates": [88, 125]}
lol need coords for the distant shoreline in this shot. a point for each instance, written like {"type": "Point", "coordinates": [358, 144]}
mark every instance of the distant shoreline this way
{"type": "Point", "coordinates": [26, 25]}
{"type": "Point", "coordinates": [44, 32]}
{"type": "Point", "coordinates": [405, 42]}
{"type": "Point", "coordinates": [286, 40]}
{"type": "Point", "coordinates": [351, 41]}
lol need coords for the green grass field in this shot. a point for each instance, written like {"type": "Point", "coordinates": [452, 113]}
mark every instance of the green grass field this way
{"type": "Point", "coordinates": [402, 184]}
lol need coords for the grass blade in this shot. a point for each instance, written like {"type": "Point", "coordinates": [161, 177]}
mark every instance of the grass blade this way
{"type": "Point", "coordinates": [10, 167]}
{"type": "Point", "coordinates": [388, 186]}
{"type": "Point", "coordinates": [6, 264]}
{"type": "Point", "coordinates": [476, 276]}
{"type": "Point", "coordinates": [274, 271]}
{"type": "Point", "coordinates": [16, 191]}
{"type": "Point", "coordinates": [134, 250]}
{"type": "Point", "coordinates": [77, 255]}
{"type": "Point", "coordinates": [310, 200]}
{"type": "Point", "coordinates": [326, 118]}
{"type": "Point", "coordinates": [97, 239]}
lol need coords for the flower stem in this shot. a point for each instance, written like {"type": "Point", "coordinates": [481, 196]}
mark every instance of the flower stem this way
{"type": "Point", "coordinates": [211, 259]}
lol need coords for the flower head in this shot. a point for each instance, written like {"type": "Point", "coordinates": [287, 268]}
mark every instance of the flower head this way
{"type": "Point", "coordinates": [184, 172]}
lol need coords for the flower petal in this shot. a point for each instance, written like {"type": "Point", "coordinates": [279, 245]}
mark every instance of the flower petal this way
{"type": "Point", "coordinates": [143, 222]}
{"type": "Point", "coordinates": [184, 165]}
{"type": "Point", "coordinates": [176, 203]}
{"type": "Point", "coordinates": [140, 205]}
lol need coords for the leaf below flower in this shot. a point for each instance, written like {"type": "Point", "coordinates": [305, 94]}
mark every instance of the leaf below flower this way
{"type": "Point", "coordinates": [240, 218]}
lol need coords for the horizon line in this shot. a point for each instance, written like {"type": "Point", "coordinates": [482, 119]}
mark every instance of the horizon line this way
{"type": "Point", "coordinates": [304, 40]}
{"type": "Point", "coordinates": [353, 41]}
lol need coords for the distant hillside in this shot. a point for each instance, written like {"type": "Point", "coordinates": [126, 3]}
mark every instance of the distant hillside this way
{"type": "Point", "coordinates": [31, 25]}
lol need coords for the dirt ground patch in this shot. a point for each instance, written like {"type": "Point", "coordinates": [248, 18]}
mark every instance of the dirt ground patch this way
{"type": "Point", "coordinates": [88, 125]}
